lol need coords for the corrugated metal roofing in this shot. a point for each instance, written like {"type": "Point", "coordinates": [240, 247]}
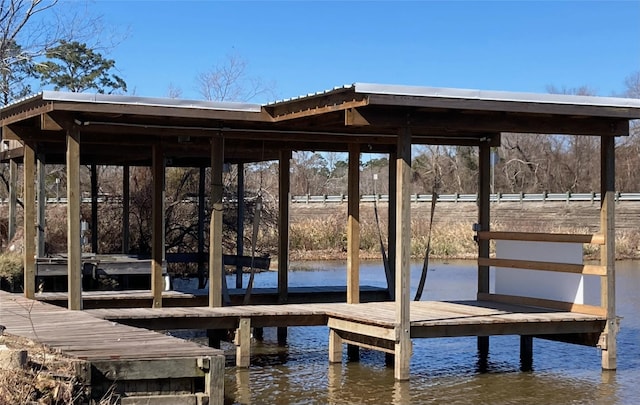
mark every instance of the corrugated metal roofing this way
{"type": "Point", "coordinates": [149, 101]}
{"type": "Point", "coordinates": [469, 94]}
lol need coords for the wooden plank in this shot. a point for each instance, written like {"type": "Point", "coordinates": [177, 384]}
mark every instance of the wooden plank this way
{"type": "Point", "coordinates": [607, 252]}
{"type": "Point", "coordinates": [362, 329]}
{"type": "Point", "coordinates": [542, 303]}
{"type": "Point", "coordinates": [117, 370]}
{"type": "Point", "coordinates": [353, 226]}
{"type": "Point", "coordinates": [157, 225]}
{"type": "Point", "coordinates": [184, 399]}
{"type": "Point", "coordinates": [29, 224]}
{"type": "Point", "coordinates": [215, 228]}
{"type": "Point", "coordinates": [596, 239]}
{"type": "Point", "coordinates": [74, 196]}
{"type": "Point", "coordinates": [214, 380]}
{"type": "Point", "coordinates": [335, 346]}
{"type": "Point", "coordinates": [587, 269]}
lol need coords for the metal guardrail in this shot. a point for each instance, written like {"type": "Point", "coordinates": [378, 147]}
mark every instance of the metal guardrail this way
{"type": "Point", "coordinates": [497, 198]}
{"type": "Point", "coordinates": [417, 198]}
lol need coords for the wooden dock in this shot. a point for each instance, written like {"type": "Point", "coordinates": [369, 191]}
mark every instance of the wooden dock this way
{"type": "Point", "coordinates": [259, 296]}
{"type": "Point", "coordinates": [371, 325]}
{"type": "Point", "coordinates": [142, 366]}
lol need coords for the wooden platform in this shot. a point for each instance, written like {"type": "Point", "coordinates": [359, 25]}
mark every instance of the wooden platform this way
{"type": "Point", "coordinates": [142, 364]}
{"type": "Point", "coordinates": [259, 296]}
{"type": "Point", "coordinates": [372, 325]}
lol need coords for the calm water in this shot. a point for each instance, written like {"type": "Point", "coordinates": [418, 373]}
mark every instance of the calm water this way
{"type": "Point", "coordinates": [443, 371]}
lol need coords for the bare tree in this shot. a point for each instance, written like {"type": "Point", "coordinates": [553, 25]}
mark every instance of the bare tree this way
{"type": "Point", "coordinates": [230, 81]}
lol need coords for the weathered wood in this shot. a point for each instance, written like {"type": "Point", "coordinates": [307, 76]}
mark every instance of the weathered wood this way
{"type": "Point", "coordinates": [543, 303]}
{"type": "Point", "coordinates": [214, 380]}
{"type": "Point", "coordinates": [607, 252]}
{"type": "Point", "coordinates": [29, 222]}
{"type": "Point", "coordinates": [125, 209]}
{"type": "Point", "coordinates": [74, 235]}
{"type": "Point", "coordinates": [403, 255]}
{"type": "Point", "coordinates": [94, 208]}
{"type": "Point", "coordinates": [13, 198]}
{"type": "Point", "coordinates": [362, 329]}
{"type": "Point", "coordinates": [185, 399]}
{"type": "Point", "coordinates": [243, 342]}
{"type": "Point", "coordinates": [587, 269]}
{"type": "Point", "coordinates": [151, 369]}
{"type": "Point", "coordinates": [484, 214]}
{"type": "Point", "coordinates": [157, 225]}
{"type": "Point", "coordinates": [215, 228]}
{"type": "Point", "coordinates": [353, 226]}
{"type": "Point", "coordinates": [284, 185]}
{"type": "Point", "coordinates": [240, 223]}
{"type": "Point", "coordinates": [597, 239]}
{"type": "Point", "coordinates": [42, 204]}
{"type": "Point", "coordinates": [335, 346]}
{"type": "Point", "coordinates": [391, 227]}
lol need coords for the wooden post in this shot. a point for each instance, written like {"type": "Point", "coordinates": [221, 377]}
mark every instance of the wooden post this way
{"type": "Point", "coordinates": [42, 204]}
{"type": "Point", "coordinates": [243, 343]}
{"type": "Point", "coordinates": [94, 208]}
{"type": "Point", "coordinates": [484, 196]}
{"type": "Point", "coordinates": [29, 202]}
{"type": "Point", "coordinates": [526, 353]}
{"type": "Point", "coordinates": [391, 213]}
{"type": "Point", "coordinates": [201, 218]}
{"type": "Point", "coordinates": [215, 228]}
{"type": "Point", "coordinates": [284, 185]}
{"type": "Point", "coordinates": [402, 350]}
{"type": "Point", "coordinates": [608, 341]}
{"type": "Point", "coordinates": [353, 226]}
{"type": "Point", "coordinates": [335, 347]}
{"type": "Point", "coordinates": [74, 198]}
{"type": "Point", "coordinates": [240, 224]}
{"type": "Point", "coordinates": [125, 209]}
{"type": "Point", "coordinates": [13, 199]}
{"type": "Point", "coordinates": [284, 182]}
{"type": "Point", "coordinates": [214, 380]}
{"type": "Point", "coordinates": [157, 227]}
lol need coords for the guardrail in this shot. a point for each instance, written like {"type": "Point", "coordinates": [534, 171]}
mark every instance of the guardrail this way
{"type": "Point", "coordinates": [497, 198]}
{"type": "Point", "coordinates": [417, 198]}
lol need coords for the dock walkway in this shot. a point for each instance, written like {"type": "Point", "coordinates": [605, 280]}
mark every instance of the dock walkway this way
{"type": "Point", "coordinates": [370, 325]}
{"type": "Point", "coordinates": [144, 366]}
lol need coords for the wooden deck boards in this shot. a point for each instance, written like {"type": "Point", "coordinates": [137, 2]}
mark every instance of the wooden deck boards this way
{"type": "Point", "coordinates": [87, 337]}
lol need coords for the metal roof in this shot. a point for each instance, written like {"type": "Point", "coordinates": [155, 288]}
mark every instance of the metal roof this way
{"type": "Point", "coordinates": [149, 101]}
{"type": "Point", "coordinates": [483, 95]}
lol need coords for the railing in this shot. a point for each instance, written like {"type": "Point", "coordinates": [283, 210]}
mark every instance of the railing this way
{"type": "Point", "coordinates": [417, 198]}
{"type": "Point", "coordinates": [497, 198]}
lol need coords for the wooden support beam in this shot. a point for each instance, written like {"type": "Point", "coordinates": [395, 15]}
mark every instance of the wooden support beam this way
{"type": "Point", "coordinates": [201, 218]}
{"type": "Point", "coordinates": [607, 252]}
{"type": "Point", "coordinates": [29, 222]}
{"type": "Point", "coordinates": [335, 346]}
{"type": "Point", "coordinates": [215, 228]}
{"type": "Point", "coordinates": [240, 223]}
{"type": "Point", "coordinates": [74, 198]}
{"type": "Point", "coordinates": [49, 123]}
{"type": "Point", "coordinates": [13, 198]}
{"type": "Point", "coordinates": [157, 227]}
{"type": "Point", "coordinates": [484, 197]}
{"type": "Point", "coordinates": [597, 239]}
{"type": "Point", "coordinates": [42, 204]}
{"type": "Point", "coordinates": [353, 226]}
{"type": "Point", "coordinates": [391, 214]}
{"type": "Point", "coordinates": [587, 269]}
{"type": "Point", "coordinates": [94, 209]}
{"type": "Point", "coordinates": [526, 353]}
{"type": "Point", "coordinates": [243, 343]}
{"type": "Point", "coordinates": [284, 185]}
{"type": "Point", "coordinates": [126, 193]}
{"type": "Point", "coordinates": [214, 380]}
{"type": "Point", "coordinates": [403, 256]}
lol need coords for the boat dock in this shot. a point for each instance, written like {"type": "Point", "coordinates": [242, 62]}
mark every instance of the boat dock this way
{"type": "Point", "coordinates": [141, 366]}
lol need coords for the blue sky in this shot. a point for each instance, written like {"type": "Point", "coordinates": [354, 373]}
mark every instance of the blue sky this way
{"type": "Point", "coordinates": [309, 46]}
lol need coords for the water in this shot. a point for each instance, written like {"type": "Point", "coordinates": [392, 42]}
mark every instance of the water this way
{"type": "Point", "coordinates": [443, 371]}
